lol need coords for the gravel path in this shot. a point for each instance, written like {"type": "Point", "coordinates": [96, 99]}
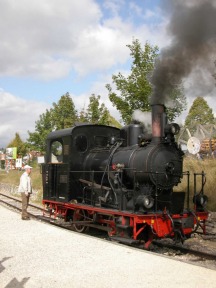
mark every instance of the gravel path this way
{"type": "Point", "coordinates": [35, 255]}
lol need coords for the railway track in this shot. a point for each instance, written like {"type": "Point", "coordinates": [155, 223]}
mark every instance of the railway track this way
{"type": "Point", "coordinates": [15, 203]}
{"type": "Point", "coordinates": [165, 247]}
{"type": "Point", "coordinates": [182, 250]}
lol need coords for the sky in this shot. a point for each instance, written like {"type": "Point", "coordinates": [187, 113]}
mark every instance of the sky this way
{"type": "Point", "coordinates": [51, 47]}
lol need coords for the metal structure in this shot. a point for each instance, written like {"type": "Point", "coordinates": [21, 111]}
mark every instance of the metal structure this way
{"type": "Point", "coordinates": [202, 136]}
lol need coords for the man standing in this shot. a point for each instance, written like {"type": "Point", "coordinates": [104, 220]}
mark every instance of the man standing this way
{"type": "Point", "coordinates": [25, 188]}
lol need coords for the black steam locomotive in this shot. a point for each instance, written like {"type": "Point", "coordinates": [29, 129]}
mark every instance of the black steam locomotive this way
{"type": "Point", "coordinates": [120, 180]}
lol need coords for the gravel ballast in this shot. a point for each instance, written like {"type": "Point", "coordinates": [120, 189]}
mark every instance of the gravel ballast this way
{"type": "Point", "coordinates": [38, 255]}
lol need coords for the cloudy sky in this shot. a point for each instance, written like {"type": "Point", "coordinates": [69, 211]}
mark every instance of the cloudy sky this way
{"type": "Point", "coordinates": [51, 47]}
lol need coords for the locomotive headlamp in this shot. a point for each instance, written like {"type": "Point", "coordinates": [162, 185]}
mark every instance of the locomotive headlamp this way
{"type": "Point", "coordinates": [200, 200]}
{"type": "Point", "coordinates": [148, 202]}
{"type": "Point", "coordinates": [145, 201]}
{"type": "Point", "coordinates": [172, 128]}
{"type": "Point", "coordinates": [175, 128]}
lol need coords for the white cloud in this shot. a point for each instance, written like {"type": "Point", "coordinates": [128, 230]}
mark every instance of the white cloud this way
{"type": "Point", "coordinates": [135, 9]}
{"type": "Point", "coordinates": [48, 39]}
{"type": "Point", "coordinates": [113, 6]}
{"type": "Point", "coordinates": [35, 34]}
{"type": "Point", "coordinates": [17, 116]}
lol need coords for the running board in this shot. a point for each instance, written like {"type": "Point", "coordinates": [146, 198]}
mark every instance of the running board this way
{"type": "Point", "coordinates": [124, 240]}
{"type": "Point", "coordinates": [90, 224]}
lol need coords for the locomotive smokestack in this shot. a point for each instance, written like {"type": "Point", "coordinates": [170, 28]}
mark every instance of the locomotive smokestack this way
{"type": "Point", "coordinates": [158, 122]}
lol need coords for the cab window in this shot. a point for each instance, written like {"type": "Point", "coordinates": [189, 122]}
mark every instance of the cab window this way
{"type": "Point", "coordinates": [81, 143]}
{"type": "Point", "coordinates": [56, 152]}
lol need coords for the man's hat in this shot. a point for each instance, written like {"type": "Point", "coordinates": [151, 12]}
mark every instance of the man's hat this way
{"type": "Point", "coordinates": [27, 167]}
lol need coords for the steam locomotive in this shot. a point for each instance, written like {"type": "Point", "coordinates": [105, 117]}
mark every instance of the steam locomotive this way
{"type": "Point", "coordinates": [121, 181]}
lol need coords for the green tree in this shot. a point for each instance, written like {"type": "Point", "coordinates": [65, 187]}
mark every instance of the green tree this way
{"type": "Point", "coordinates": [61, 115]}
{"type": "Point", "coordinates": [96, 113]}
{"type": "Point", "coordinates": [113, 122]}
{"type": "Point", "coordinates": [83, 116]}
{"type": "Point", "coordinates": [64, 114]}
{"type": "Point", "coordinates": [43, 127]}
{"type": "Point", "coordinates": [135, 89]}
{"type": "Point", "coordinates": [199, 113]}
{"type": "Point", "coordinates": [21, 146]}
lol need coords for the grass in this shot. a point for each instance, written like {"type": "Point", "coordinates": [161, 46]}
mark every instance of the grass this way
{"type": "Point", "coordinates": [13, 177]}
{"type": "Point", "coordinates": [208, 166]}
{"type": "Point", "coordinates": [190, 164]}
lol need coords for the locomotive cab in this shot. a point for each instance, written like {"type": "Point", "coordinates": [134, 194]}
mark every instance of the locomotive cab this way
{"type": "Point", "coordinates": [55, 171]}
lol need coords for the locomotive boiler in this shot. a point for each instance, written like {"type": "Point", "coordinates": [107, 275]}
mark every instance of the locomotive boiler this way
{"type": "Point", "coordinates": [121, 180]}
{"type": "Point", "coordinates": [139, 170]}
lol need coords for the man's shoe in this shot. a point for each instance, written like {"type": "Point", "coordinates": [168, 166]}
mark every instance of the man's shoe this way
{"type": "Point", "coordinates": [25, 218]}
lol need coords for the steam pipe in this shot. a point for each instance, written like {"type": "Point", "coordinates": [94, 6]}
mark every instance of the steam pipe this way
{"type": "Point", "coordinates": [158, 122]}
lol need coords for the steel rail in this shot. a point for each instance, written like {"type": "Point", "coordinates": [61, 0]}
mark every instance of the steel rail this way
{"type": "Point", "coordinates": [184, 250]}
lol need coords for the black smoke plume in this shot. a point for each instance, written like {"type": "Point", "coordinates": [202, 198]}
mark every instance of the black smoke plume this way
{"type": "Point", "coordinates": [193, 45]}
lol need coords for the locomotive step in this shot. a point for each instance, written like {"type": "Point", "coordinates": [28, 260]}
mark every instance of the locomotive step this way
{"type": "Point", "coordinates": [124, 227]}
{"type": "Point", "coordinates": [124, 240]}
{"type": "Point", "coordinates": [91, 224]}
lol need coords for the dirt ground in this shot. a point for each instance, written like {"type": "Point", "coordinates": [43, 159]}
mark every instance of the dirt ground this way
{"type": "Point", "coordinates": [205, 243]}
